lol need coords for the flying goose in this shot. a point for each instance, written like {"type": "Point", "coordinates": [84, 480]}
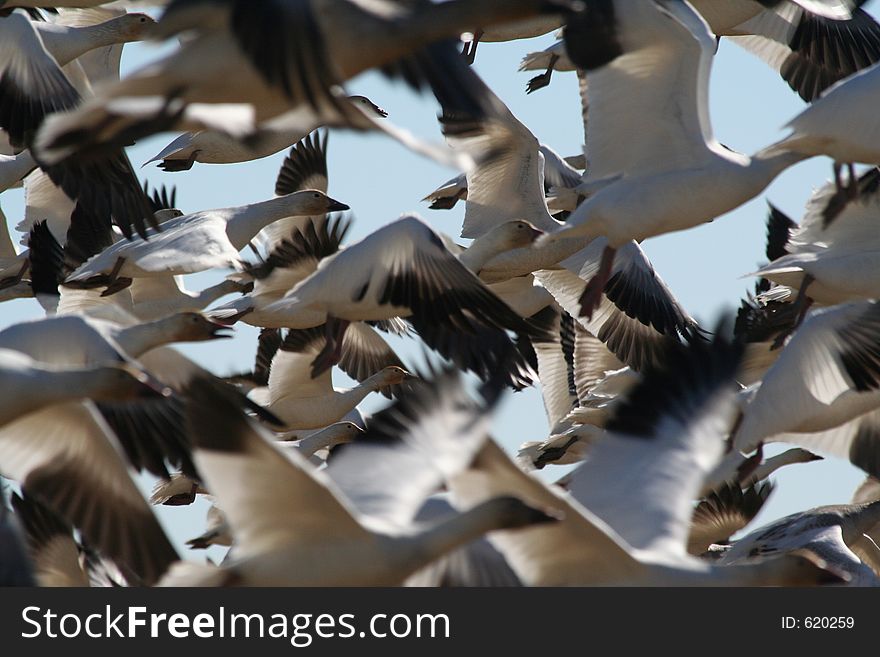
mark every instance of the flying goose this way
{"type": "Point", "coordinates": [285, 64]}
{"type": "Point", "coordinates": [810, 50]}
{"type": "Point", "coordinates": [69, 447]}
{"type": "Point", "coordinates": [627, 517]}
{"type": "Point", "coordinates": [305, 167]}
{"type": "Point", "coordinates": [49, 442]}
{"type": "Point", "coordinates": [332, 539]}
{"type": "Point", "coordinates": [837, 125]}
{"type": "Point", "coordinates": [825, 376]}
{"type": "Point", "coordinates": [292, 260]}
{"type": "Point", "coordinates": [405, 270]}
{"type": "Point", "coordinates": [811, 45]}
{"type": "Point", "coordinates": [195, 242]}
{"type": "Point", "coordinates": [558, 173]}
{"type": "Point", "coordinates": [832, 256]}
{"type": "Point", "coordinates": [304, 402]}
{"type": "Point", "coordinates": [32, 86]}
{"type": "Point", "coordinates": [652, 54]}
{"type": "Point", "coordinates": [827, 531]}
{"type": "Point", "coordinates": [215, 147]}
{"type": "Point", "coordinates": [508, 184]}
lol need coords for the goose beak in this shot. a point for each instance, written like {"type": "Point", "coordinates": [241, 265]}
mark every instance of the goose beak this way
{"type": "Point", "coordinates": [336, 206]}
{"type": "Point", "coordinates": [381, 112]}
{"type": "Point", "coordinates": [535, 234]}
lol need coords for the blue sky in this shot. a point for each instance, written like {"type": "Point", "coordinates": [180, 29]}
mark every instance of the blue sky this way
{"type": "Point", "coordinates": [380, 180]}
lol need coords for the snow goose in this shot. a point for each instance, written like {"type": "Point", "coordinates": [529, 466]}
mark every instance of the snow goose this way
{"type": "Point", "coordinates": [638, 316]}
{"type": "Point", "coordinates": [810, 49]}
{"type": "Point", "coordinates": [231, 40]}
{"type": "Point", "coordinates": [738, 469]}
{"type": "Point", "coordinates": [149, 430]}
{"type": "Point", "coordinates": [827, 531]}
{"type": "Point", "coordinates": [29, 385]}
{"type": "Point", "coordinates": [195, 242]}
{"type": "Point", "coordinates": [68, 447]}
{"type": "Point", "coordinates": [832, 256]}
{"type": "Point", "coordinates": [216, 531]}
{"type": "Point", "coordinates": [303, 402]}
{"type": "Point", "coordinates": [405, 270]}
{"type": "Point", "coordinates": [214, 147]}
{"type": "Point", "coordinates": [336, 539]}
{"type": "Point", "coordinates": [837, 125]}
{"type": "Point", "coordinates": [627, 518]}
{"type": "Point", "coordinates": [292, 260]}
{"type": "Point", "coordinates": [558, 173]}
{"type": "Point", "coordinates": [651, 54]}
{"type": "Point", "coordinates": [68, 42]}
{"type": "Point", "coordinates": [33, 86]}
{"type": "Point", "coordinates": [811, 45]}
{"type": "Point", "coordinates": [825, 376]}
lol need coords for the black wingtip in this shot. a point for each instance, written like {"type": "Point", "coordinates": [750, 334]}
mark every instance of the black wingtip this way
{"type": "Point", "coordinates": [307, 158]}
{"type": "Point", "coordinates": [46, 258]}
{"type": "Point", "coordinates": [779, 227]}
{"type": "Point", "coordinates": [687, 376]}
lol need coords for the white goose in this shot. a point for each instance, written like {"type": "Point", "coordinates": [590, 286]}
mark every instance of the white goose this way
{"type": "Point", "coordinates": [335, 539]}
{"type": "Point", "coordinates": [108, 187]}
{"type": "Point", "coordinates": [195, 242]}
{"type": "Point", "coordinates": [323, 44]}
{"type": "Point", "coordinates": [303, 402]}
{"type": "Point", "coordinates": [826, 375]}
{"type": "Point", "coordinates": [405, 270]}
{"type": "Point", "coordinates": [214, 147]}
{"type": "Point", "coordinates": [837, 125]}
{"type": "Point", "coordinates": [639, 316]}
{"type": "Point", "coordinates": [66, 42]}
{"type": "Point", "coordinates": [627, 519]}
{"type": "Point", "coordinates": [827, 531]}
{"type": "Point", "coordinates": [52, 444]}
{"type": "Point", "coordinates": [654, 55]}
{"type": "Point", "coordinates": [832, 256]}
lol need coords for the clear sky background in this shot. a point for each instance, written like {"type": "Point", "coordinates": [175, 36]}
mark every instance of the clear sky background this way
{"type": "Point", "coordinates": [380, 180]}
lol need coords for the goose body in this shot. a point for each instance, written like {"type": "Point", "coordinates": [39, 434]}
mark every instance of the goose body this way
{"type": "Point", "coordinates": [214, 147]}
{"type": "Point", "coordinates": [201, 240]}
{"type": "Point", "coordinates": [331, 541]}
{"type": "Point", "coordinates": [335, 42]}
{"type": "Point", "coordinates": [834, 246]}
{"type": "Point", "coordinates": [820, 380]}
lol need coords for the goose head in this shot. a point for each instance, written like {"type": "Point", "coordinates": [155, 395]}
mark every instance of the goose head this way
{"type": "Point", "coordinates": [368, 107]}
{"type": "Point", "coordinates": [393, 375]}
{"type": "Point", "coordinates": [514, 234]}
{"type": "Point", "coordinates": [311, 202]}
{"type": "Point", "coordinates": [131, 27]}
{"type": "Point", "coordinates": [194, 327]}
{"type": "Point", "coordinates": [166, 214]}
